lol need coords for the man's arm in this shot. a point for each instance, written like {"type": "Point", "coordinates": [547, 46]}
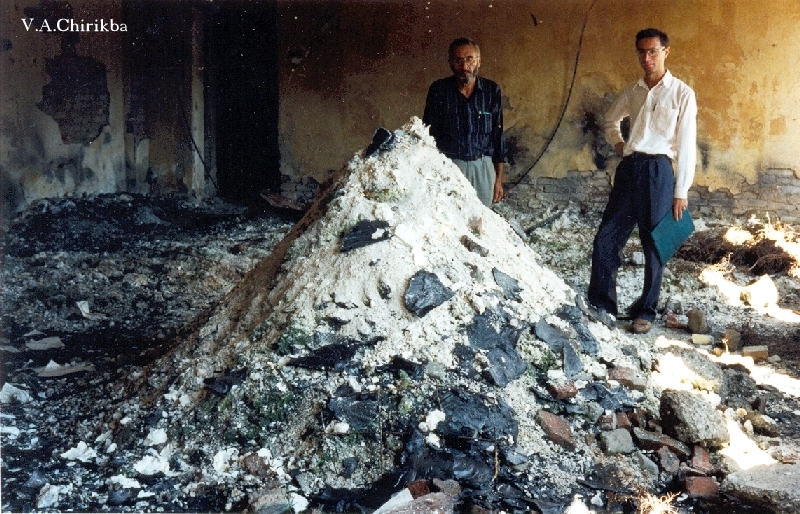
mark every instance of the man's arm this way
{"type": "Point", "coordinates": [499, 193]}
{"type": "Point", "coordinates": [499, 146]}
{"type": "Point", "coordinates": [611, 122]}
{"type": "Point", "coordinates": [433, 109]}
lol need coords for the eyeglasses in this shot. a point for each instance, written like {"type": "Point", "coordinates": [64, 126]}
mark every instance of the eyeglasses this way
{"type": "Point", "coordinates": [464, 60]}
{"type": "Point", "coordinates": [652, 52]}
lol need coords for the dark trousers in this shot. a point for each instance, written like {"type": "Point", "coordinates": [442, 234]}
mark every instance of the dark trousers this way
{"type": "Point", "coordinates": [642, 194]}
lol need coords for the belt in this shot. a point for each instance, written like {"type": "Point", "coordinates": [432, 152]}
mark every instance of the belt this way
{"type": "Point", "coordinates": [467, 159]}
{"type": "Point", "coordinates": [640, 156]}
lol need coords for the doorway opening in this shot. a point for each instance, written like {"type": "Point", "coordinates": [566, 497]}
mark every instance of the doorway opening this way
{"type": "Point", "coordinates": [241, 44]}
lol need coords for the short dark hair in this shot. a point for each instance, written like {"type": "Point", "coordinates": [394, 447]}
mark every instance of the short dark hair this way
{"type": "Point", "coordinates": [648, 33]}
{"type": "Point", "coordinates": [462, 41]}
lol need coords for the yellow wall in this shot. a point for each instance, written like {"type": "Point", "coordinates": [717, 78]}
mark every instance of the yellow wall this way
{"type": "Point", "coordinates": [351, 67]}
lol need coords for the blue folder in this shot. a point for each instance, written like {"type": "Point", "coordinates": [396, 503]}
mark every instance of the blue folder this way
{"type": "Point", "coordinates": [670, 234]}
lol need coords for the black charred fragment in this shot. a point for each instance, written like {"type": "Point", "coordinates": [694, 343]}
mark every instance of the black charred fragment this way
{"type": "Point", "coordinates": [425, 292]}
{"type": "Point", "coordinates": [330, 357]}
{"type": "Point", "coordinates": [382, 141]}
{"type": "Point", "coordinates": [572, 361]}
{"type": "Point", "coordinates": [361, 415]}
{"type": "Point", "coordinates": [398, 364]}
{"type": "Point", "coordinates": [365, 233]}
{"type": "Point", "coordinates": [508, 284]}
{"type": "Point", "coordinates": [481, 333]}
{"type": "Point", "coordinates": [384, 290]}
{"type": "Point", "coordinates": [615, 400]}
{"type": "Point", "coordinates": [553, 336]}
{"type": "Point", "coordinates": [421, 461]}
{"type": "Point", "coordinates": [587, 339]}
{"type": "Point", "coordinates": [472, 469]}
{"type": "Point", "coordinates": [222, 385]}
{"type": "Point", "coordinates": [505, 365]}
{"type": "Point", "coordinates": [570, 313]}
{"type": "Point", "coordinates": [349, 466]}
{"type": "Point", "coordinates": [472, 416]}
{"type": "Point", "coordinates": [473, 247]}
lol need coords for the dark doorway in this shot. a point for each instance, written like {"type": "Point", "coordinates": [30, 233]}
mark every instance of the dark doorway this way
{"type": "Point", "coordinates": [241, 41]}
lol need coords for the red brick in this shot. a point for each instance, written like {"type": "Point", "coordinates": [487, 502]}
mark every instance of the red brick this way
{"type": "Point", "coordinates": [556, 428]}
{"type": "Point", "coordinates": [701, 460]}
{"type": "Point", "coordinates": [623, 421]}
{"type": "Point", "coordinates": [606, 422]}
{"type": "Point", "coordinates": [418, 488]}
{"type": "Point", "coordinates": [623, 375]}
{"type": "Point", "coordinates": [668, 460]}
{"type": "Point", "coordinates": [653, 441]}
{"type": "Point", "coordinates": [562, 391]}
{"type": "Point", "coordinates": [701, 487]}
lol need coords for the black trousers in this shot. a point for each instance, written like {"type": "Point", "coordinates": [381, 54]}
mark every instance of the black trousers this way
{"type": "Point", "coordinates": [641, 196]}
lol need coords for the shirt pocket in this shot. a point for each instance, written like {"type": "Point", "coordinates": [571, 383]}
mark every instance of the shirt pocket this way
{"type": "Point", "coordinates": [665, 120]}
{"type": "Point", "coordinates": [484, 123]}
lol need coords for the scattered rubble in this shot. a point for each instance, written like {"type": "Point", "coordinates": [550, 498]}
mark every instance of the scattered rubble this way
{"type": "Point", "coordinates": [401, 349]}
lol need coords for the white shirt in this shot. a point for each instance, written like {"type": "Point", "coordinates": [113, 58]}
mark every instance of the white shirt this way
{"type": "Point", "coordinates": [663, 121]}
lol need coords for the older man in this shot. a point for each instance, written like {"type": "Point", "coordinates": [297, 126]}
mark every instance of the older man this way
{"type": "Point", "coordinates": [465, 116]}
{"type": "Point", "coordinates": [663, 114]}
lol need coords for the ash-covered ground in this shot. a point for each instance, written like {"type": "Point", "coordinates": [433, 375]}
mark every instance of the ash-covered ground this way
{"type": "Point", "coordinates": [136, 388]}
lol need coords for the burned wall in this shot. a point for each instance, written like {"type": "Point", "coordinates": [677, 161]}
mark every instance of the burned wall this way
{"type": "Point", "coordinates": [350, 67]}
{"type": "Point", "coordinates": [61, 101]}
{"type": "Point", "coordinates": [101, 97]}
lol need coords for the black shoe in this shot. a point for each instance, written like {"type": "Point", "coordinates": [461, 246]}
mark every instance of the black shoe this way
{"type": "Point", "coordinates": [599, 315]}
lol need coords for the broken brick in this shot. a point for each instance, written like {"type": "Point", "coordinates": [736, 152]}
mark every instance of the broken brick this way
{"type": "Point", "coordinates": [668, 460]}
{"type": "Point", "coordinates": [701, 487]}
{"type": "Point", "coordinates": [418, 488]}
{"type": "Point", "coordinates": [556, 428]}
{"type": "Point", "coordinates": [623, 421]}
{"type": "Point", "coordinates": [701, 460]}
{"type": "Point", "coordinates": [562, 390]}
{"type": "Point", "coordinates": [623, 375]}
{"type": "Point", "coordinates": [653, 441]}
{"type": "Point", "coordinates": [758, 353]}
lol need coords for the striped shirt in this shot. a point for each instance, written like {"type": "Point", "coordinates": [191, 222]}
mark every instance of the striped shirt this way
{"type": "Point", "coordinates": [466, 128]}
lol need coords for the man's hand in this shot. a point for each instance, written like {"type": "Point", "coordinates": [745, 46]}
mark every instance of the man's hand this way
{"type": "Point", "coordinates": [678, 206]}
{"type": "Point", "coordinates": [499, 193]}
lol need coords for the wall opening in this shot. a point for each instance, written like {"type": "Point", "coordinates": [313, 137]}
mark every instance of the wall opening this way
{"type": "Point", "coordinates": [243, 85]}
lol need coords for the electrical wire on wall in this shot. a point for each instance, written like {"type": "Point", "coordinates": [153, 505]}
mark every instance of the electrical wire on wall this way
{"type": "Point", "coordinates": [566, 102]}
{"type": "Point", "coordinates": [188, 125]}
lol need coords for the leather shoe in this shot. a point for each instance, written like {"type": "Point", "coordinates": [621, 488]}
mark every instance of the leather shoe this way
{"type": "Point", "coordinates": [641, 326]}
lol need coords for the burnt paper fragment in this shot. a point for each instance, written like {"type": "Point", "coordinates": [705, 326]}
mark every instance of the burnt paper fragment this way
{"type": "Point", "coordinates": [333, 356]}
{"type": "Point", "coordinates": [382, 141]}
{"type": "Point", "coordinates": [474, 247]}
{"type": "Point", "coordinates": [425, 292]}
{"type": "Point", "coordinates": [222, 385]}
{"type": "Point", "coordinates": [508, 284]}
{"type": "Point", "coordinates": [365, 233]}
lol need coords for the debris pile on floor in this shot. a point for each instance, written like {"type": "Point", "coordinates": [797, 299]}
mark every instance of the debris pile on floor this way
{"type": "Point", "coordinates": [401, 346]}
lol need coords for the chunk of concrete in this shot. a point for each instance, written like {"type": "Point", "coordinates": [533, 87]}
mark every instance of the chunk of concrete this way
{"type": "Point", "coordinates": [690, 418]}
{"type": "Point", "coordinates": [775, 485]}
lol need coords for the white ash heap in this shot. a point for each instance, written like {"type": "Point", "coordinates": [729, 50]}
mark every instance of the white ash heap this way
{"type": "Point", "coordinates": [402, 331]}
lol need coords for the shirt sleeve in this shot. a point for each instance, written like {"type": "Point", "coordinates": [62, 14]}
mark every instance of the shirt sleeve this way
{"type": "Point", "coordinates": [498, 143]}
{"type": "Point", "coordinates": [615, 114]}
{"type": "Point", "coordinates": [432, 112]}
{"type": "Point", "coordinates": [686, 144]}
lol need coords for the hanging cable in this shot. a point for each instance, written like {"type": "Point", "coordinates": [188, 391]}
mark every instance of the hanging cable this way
{"type": "Point", "coordinates": [181, 105]}
{"type": "Point", "coordinates": [566, 102]}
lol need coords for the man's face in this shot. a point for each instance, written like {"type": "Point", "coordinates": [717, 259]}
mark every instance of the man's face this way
{"type": "Point", "coordinates": [652, 55]}
{"type": "Point", "coordinates": [465, 62]}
